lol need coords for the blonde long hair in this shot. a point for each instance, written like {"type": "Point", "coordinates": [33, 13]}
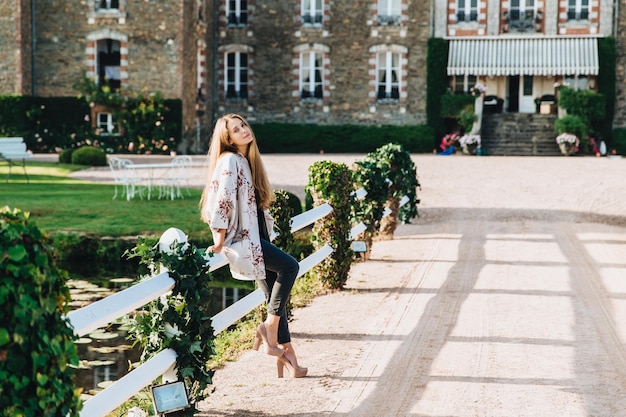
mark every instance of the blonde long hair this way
{"type": "Point", "coordinates": [219, 145]}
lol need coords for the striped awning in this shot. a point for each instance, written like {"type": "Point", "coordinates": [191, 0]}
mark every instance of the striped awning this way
{"type": "Point", "coordinates": [501, 56]}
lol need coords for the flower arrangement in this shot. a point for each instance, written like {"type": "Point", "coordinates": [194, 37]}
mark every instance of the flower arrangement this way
{"type": "Point", "coordinates": [449, 140]}
{"type": "Point", "coordinates": [568, 138]}
{"type": "Point", "coordinates": [469, 140]}
{"type": "Point", "coordinates": [478, 89]}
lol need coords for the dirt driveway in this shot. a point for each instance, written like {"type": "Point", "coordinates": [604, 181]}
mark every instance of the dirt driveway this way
{"type": "Point", "coordinates": [507, 297]}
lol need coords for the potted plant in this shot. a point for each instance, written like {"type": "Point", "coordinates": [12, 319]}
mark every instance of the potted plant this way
{"type": "Point", "coordinates": [569, 129]}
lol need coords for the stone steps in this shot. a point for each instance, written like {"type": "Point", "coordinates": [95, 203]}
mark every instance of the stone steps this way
{"type": "Point", "coordinates": [519, 134]}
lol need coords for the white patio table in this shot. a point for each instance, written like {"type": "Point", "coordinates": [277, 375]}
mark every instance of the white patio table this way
{"type": "Point", "coordinates": [150, 173]}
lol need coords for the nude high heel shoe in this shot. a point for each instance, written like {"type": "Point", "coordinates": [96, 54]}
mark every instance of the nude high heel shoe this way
{"type": "Point", "coordinates": [261, 334]}
{"type": "Point", "coordinates": [283, 361]}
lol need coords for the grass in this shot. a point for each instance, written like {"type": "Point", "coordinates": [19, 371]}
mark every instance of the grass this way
{"type": "Point", "coordinates": [59, 203]}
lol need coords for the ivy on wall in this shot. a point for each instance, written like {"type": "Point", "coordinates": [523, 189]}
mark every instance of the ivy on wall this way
{"type": "Point", "coordinates": [436, 85]}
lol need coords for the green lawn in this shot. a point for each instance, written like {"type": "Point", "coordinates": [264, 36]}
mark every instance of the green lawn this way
{"type": "Point", "coordinates": [59, 203]}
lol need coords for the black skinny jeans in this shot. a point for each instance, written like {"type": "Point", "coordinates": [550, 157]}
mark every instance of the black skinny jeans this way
{"type": "Point", "coordinates": [281, 270]}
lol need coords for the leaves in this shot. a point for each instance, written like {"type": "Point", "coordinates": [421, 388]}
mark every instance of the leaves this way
{"type": "Point", "coordinates": [179, 320]}
{"type": "Point", "coordinates": [37, 343]}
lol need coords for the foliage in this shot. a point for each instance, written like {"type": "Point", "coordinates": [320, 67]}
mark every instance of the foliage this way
{"type": "Point", "coordinates": [588, 105]}
{"type": "Point", "coordinates": [65, 157]}
{"type": "Point", "coordinates": [47, 124]}
{"type": "Point", "coordinates": [37, 347]}
{"type": "Point", "coordinates": [301, 138]}
{"type": "Point", "coordinates": [180, 320]}
{"type": "Point", "coordinates": [146, 128]}
{"type": "Point", "coordinates": [571, 124]}
{"type": "Point", "coordinates": [89, 155]}
{"type": "Point", "coordinates": [453, 104]}
{"type": "Point", "coordinates": [101, 93]}
{"type": "Point", "coordinates": [332, 182]}
{"type": "Point", "coordinates": [467, 117]}
{"type": "Point", "coordinates": [436, 86]}
{"type": "Point", "coordinates": [619, 140]}
{"type": "Point", "coordinates": [150, 123]}
{"type": "Point", "coordinates": [282, 213]}
{"type": "Point", "coordinates": [397, 166]}
{"type": "Point", "coordinates": [606, 81]}
{"type": "Point", "coordinates": [370, 175]}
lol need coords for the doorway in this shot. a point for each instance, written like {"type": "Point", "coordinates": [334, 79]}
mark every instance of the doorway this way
{"type": "Point", "coordinates": [520, 94]}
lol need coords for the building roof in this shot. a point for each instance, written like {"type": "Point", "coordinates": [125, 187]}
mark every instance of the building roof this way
{"type": "Point", "coordinates": [502, 56]}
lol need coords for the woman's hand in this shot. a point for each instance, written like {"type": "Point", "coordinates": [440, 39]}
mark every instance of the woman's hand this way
{"type": "Point", "coordinates": [218, 240]}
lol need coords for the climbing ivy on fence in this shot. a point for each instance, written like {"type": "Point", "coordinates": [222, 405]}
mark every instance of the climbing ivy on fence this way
{"type": "Point", "coordinates": [333, 183]}
{"type": "Point", "coordinates": [182, 319]}
{"type": "Point", "coordinates": [370, 175]}
{"type": "Point", "coordinates": [37, 349]}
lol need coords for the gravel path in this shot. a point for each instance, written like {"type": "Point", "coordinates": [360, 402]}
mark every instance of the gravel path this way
{"type": "Point", "coordinates": [507, 297]}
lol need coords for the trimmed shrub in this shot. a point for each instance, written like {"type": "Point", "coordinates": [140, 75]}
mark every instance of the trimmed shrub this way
{"type": "Point", "coordinates": [65, 157]}
{"type": "Point", "coordinates": [89, 155]}
{"type": "Point", "coordinates": [297, 138]}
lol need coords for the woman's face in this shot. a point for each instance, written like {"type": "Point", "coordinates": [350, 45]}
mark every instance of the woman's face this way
{"type": "Point", "coordinates": [239, 135]}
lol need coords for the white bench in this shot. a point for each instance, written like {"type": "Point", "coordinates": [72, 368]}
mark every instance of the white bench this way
{"type": "Point", "coordinates": [13, 150]}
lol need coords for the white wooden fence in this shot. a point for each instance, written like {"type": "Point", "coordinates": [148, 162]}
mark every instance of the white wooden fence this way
{"type": "Point", "coordinates": [107, 310]}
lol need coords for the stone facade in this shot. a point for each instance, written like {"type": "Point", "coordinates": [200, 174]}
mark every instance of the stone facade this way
{"type": "Point", "coordinates": [366, 66]}
{"type": "Point", "coordinates": [15, 47]}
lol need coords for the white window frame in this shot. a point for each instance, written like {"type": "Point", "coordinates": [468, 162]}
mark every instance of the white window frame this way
{"type": "Point", "coordinates": [389, 12]}
{"type": "Point", "coordinates": [237, 71]}
{"type": "Point", "coordinates": [467, 81]}
{"type": "Point", "coordinates": [579, 7]}
{"type": "Point", "coordinates": [523, 8]}
{"type": "Point", "coordinates": [239, 10]}
{"type": "Point", "coordinates": [107, 126]}
{"type": "Point", "coordinates": [107, 5]}
{"type": "Point", "coordinates": [577, 82]}
{"type": "Point", "coordinates": [311, 63]}
{"type": "Point", "coordinates": [385, 75]}
{"type": "Point", "coordinates": [312, 12]}
{"type": "Point", "coordinates": [468, 10]}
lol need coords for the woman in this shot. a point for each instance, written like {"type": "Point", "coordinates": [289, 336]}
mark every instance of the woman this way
{"type": "Point", "coordinates": [235, 204]}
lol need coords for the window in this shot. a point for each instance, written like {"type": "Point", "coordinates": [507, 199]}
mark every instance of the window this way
{"type": "Point", "coordinates": [388, 77]}
{"type": "Point", "coordinates": [105, 123]}
{"type": "Point", "coordinates": [467, 11]}
{"type": "Point", "coordinates": [237, 12]}
{"type": "Point", "coordinates": [578, 10]}
{"type": "Point", "coordinates": [463, 83]}
{"type": "Point", "coordinates": [522, 15]}
{"type": "Point", "coordinates": [577, 82]}
{"type": "Point", "coordinates": [312, 12]}
{"type": "Point", "coordinates": [236, 76]}
{"type": "Point", "coordinates": [389, 12]}
{"type": "Point", "coordinates": [311, 84]}
{"type": "Point", "coordinates": [108, 4]}
{"type": "Point", "coordinates": [108, 63]}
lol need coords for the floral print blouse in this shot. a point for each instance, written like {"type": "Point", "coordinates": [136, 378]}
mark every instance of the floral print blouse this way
{"type": "Point", "coordinates": [231, 205]}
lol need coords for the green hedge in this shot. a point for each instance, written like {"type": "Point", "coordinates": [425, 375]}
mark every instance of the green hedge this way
{"type": "Point", "coordinates": [297, 138]}
{"type": "Point", "coordinates": [51, 124]}
{"type": "Point", "coordinates": [436, 85]}
{"type": "Point", "coordinates": [619, 141]}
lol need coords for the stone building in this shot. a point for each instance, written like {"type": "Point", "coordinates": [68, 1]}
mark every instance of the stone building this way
{"type": "Point", "coordinates": [304, 61]}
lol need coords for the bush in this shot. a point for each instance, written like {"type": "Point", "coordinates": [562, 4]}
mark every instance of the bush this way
{"type": "Point", "coordinates": [333, 183]}
{"type": "Point", "coordinates": [571, 124]}
{"type": "Point", "coordinates": [453, 104]}
{"type": "Point", "coordinates": [36, 341]}
{"type": "Point", "coordinates": [65, 157]}
{"type": "Point", "coordinates": [89, 155]}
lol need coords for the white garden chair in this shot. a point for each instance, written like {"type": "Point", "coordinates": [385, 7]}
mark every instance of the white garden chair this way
{"type": "Point", "coordinates": [124, 177]}
{"type": "Point", "coordinates": [176, 177]}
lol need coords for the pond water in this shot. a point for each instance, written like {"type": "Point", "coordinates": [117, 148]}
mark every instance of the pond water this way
{"type": "Point", "coordinates": [107, 354]}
